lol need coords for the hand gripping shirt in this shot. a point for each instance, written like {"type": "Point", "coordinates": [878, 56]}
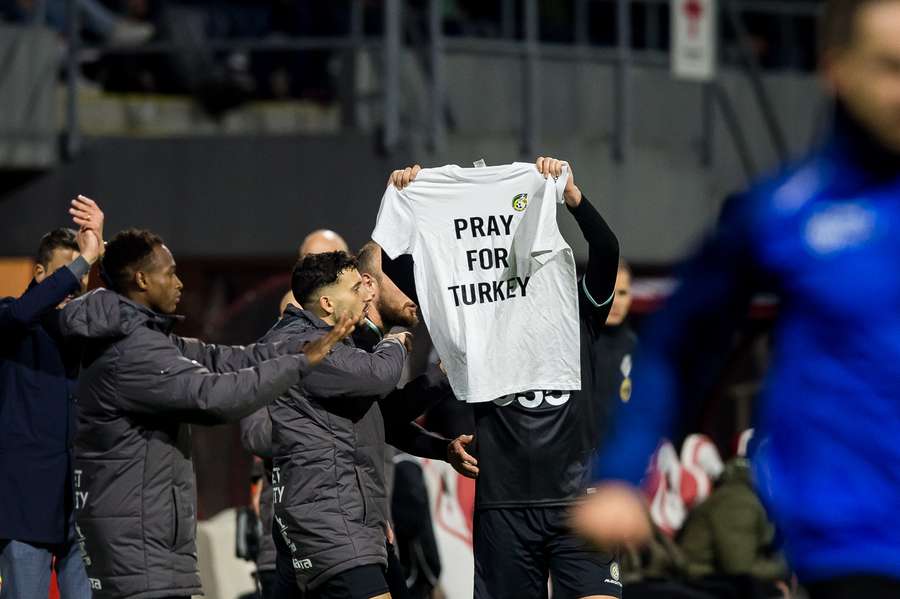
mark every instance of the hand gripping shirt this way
{"type": "Point", "coordinates": [495, 279]}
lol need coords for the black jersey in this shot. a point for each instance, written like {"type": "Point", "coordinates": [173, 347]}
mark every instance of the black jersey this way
{"type": "Point", "coordinates": [535, 448]}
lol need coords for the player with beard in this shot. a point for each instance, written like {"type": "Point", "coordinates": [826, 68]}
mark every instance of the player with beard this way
{"type": "Point", "coordinates": [387, 308]}
{"type": "Point", "coordinates": [535, 448]}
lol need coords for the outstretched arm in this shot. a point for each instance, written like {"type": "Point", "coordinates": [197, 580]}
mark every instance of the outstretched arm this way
{"type": "Point", "coordinates": [595, 289]}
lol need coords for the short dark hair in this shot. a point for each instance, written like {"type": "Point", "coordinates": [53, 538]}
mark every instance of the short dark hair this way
{"type": "Point", "coordinates": [366, 258]}
{"type": "Point", "coordinates": [127, 252]}
{"type": "Point", "coordinates": [837, 26]}
{"type": "Point", "coordinates": [57, 239]}
{"type": "Point", "coordinates": [315, 271]}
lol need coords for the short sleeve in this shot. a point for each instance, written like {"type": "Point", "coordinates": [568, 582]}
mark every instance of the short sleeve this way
{"type": "Point", "coordinates": [546, 232]}
{"type": "Point", "coordinates": [394, 224]}
{"type": "Point", "coordinates": [560, 184]}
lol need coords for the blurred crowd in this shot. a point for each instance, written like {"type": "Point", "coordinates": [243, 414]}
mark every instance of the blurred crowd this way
{"type": "Point", "coordinates": [184, 62]}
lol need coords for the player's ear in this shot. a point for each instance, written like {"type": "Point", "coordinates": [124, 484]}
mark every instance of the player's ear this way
{"type": "Point", "coordinates": [38, 272]}
{"type": "Point", "coordinates": [326, 304]}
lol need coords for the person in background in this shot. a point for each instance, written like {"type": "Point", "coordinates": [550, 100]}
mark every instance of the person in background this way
{"type": "Point", "coordinates": [94, 16]}
{"type": "Point", "coordinates": [38, 371]}
{"type": "Point", "coordinates": [616, 342]}
{"type": "Point", "coordinates": [729, 537]}
{"type": "Point", "coordinates": [820, 235]}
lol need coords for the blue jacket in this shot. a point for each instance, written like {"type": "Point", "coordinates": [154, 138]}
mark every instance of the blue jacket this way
{"type": "Point", "coordinates": [825, 237]}
{"type": "Point", "coordinates": [37, 412]}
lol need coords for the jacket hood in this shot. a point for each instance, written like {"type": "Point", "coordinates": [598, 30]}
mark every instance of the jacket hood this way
{"type": "Point", "coordinates": [106, 314]}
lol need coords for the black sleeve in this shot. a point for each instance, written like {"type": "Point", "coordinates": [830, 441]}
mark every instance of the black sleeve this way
{"type": "Point", "coordinates": [413, 439]}
{"type": "Point", "coordinates": [595, 289]}
{"type": "Point", "coordinates": [18, 314]}
{"type": "Point", "coordinates": [417, 396]}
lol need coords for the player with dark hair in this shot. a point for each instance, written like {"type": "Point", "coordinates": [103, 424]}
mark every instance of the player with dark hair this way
{"type": "Point", "coordinates": [820, 235]}
{"type": "Point", "coordinates": [38, 369]}
{"type": "Point", "coordinates": [328, 442]}
{"type": "Point", "coordinates": [534, 448]}
{"type": "Point", "coordinates": [398, 408]}
{"type": "Point", "coordinates": [140, 389]}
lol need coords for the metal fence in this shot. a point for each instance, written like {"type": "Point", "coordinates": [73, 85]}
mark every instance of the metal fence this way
{"type": "Point", "coordinates": [519, 37]}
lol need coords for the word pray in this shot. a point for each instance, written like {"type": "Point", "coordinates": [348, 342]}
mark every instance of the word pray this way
{"type": "Point", "coordinates": [477, 227]}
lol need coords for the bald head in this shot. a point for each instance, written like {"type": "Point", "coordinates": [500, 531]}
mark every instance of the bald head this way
{"type": "Point", "coordinates": [322, 241]}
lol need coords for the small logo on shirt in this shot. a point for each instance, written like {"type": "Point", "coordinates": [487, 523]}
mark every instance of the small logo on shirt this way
{"type": "Point", "coordinates": [520, 202]}
{"type": "Point", "coordinates": [302, 564]}
{"type": "Point", "coordinates": [96, 585]}
{"type": "Point", "coordinates": [839, 227]}
{"type": "Point", "coordinates": [614, 570]}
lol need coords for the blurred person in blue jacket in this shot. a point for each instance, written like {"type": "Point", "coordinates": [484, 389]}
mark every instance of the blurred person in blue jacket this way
{"type": "Point", "coordinates": [38, 369]}
{"type": "Point", "coordinates": [822, 235]}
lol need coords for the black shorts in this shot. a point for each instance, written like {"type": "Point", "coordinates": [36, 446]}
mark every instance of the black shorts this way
{"type": "Point", "coordinates": [362, 582]}
{"type": "Point", "coordinates": [518, 549]}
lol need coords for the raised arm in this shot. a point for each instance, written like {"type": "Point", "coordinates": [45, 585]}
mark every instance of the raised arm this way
{"type": "Point", "coordinates": [20, 313]}
{"type": "Point", "coordinates": [154, 377]}
{"type": "Point", "coordinates": [351, 372]}
{"type": "Point", "coordinates": [595, 289]}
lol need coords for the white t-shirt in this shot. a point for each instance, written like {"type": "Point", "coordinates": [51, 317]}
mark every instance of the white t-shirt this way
{"type": "Point", "coordinates": [495, 279]}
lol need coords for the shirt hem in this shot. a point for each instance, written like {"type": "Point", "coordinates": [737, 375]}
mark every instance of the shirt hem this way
{"type": "Point", "coordinates": [551, 386]}
{"type": "Point", "coordinates": [527, 503]}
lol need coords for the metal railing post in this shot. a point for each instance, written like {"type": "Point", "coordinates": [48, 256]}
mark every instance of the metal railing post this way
{"type": "Point", "coordinates": [622, 114]}
{"type": "Point", "coordinates": [348, 99]}
{"type": "Point", "coordinates": [436, 56]}
{"type": "Point", "coordinates": [392, 22]}
{"type": "Point", "coordinates": [531, 109]}
{"type": "Point", "coordinates": [756, 82]}
{"type": "Point", "coordinates": [707, 120]}
{"type": "Point", "coordinates": [72, 136]}
{"type": "Point", "coordinates": [508, 19]}
{"type": "Point", "coordinates": [733, 124]}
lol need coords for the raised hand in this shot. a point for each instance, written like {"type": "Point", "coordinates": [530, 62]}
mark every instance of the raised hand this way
{"type": "Point", "coordinates": [405, 338]}
{"type": "Point", "coordinates": [400, 178]}
{"type": "Point", "coordinates": [316, 351]}
{"type": "Point", "coordinates": [551, 167]}
{"type": "Point", "coordinates": [87, 215]}
{"type": "Point", "coordinates": [460, 459]}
